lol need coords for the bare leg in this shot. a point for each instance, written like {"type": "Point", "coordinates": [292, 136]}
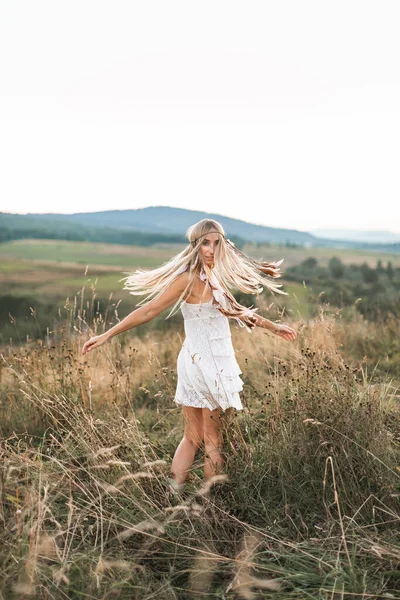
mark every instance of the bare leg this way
{"type": "Point", "coordinates": [213, 441]}
{"type": "Point", "coordinates": [190, 443]}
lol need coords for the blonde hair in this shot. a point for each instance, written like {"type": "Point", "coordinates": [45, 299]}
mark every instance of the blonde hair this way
{"type": "Point", "coordinates": [232, 269]}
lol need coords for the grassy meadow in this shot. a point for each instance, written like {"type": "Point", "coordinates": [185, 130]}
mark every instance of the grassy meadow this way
{"type": "Point", "coordinates": [307, 505]}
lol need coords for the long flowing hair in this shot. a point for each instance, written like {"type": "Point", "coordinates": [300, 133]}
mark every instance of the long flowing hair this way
{"type": "Point", "coordinates": [231, 269]}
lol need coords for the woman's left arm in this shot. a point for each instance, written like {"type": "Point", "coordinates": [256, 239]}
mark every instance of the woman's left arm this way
{"type": "Point", "coordinates": [284, 331]}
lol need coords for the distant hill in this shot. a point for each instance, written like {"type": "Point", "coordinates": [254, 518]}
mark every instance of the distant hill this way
{"type": "Point", "coordinates": [17, 227]}
{"type": "Point", "coordinates": [158, 224]}
{"type": "Point", "coordinates": [159, 219]}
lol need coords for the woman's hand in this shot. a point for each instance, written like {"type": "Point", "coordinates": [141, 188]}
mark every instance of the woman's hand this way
{"type": "Point", "coordinates": [284, 331]}
{"type": "Point", "coordinates": [94, 342]}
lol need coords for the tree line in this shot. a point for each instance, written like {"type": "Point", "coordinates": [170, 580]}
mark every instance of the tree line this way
{"type": "Point", "coordinates": [374, 290]}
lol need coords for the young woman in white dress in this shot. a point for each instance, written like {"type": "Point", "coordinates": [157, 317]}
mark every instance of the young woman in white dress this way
{"type": "Point", "coordinates": [198, 281]}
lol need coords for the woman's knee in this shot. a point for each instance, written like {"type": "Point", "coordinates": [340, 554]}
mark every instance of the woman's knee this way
{"type": "Point", "coordinates": [193, 432]}
{"type": "Point", "coordinates": [194, 440]}
{"type": "Point", "coordinates": [212, 436]}
{"type": "Point", "coordinates": [213, 442]}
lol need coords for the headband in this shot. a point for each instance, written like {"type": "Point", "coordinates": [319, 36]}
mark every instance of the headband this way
{"type": "Point", "coordinates": [203, 234]}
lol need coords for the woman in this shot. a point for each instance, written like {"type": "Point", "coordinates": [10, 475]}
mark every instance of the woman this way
{"type": "Point", "coordinates": [198, 280]}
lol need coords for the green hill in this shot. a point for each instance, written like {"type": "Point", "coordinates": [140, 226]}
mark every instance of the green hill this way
{"type": "Point", "coordinates": [161, 223]}
{"type": "Point", "coordinates": [158, 224]}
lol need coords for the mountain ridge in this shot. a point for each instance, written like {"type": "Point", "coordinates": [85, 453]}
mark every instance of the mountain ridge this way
{"type": "Point", "coordinates": [161, 223]}
{"type": "Point", "coordinates": [165, 219]}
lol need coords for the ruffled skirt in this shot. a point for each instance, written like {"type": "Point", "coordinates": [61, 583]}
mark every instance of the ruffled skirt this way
{"type": "Point", "coordinates": [208, 373]}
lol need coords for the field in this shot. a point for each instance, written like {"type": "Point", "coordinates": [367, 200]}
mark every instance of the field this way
{"type": "Point", "coordinates": [57, 269]}
{"type": "Point", "coordinates": [50, 271]}
{"type": "Point", "coordinates": [132, 256]}
{"type": "Point", "coordinates": [307, 505]}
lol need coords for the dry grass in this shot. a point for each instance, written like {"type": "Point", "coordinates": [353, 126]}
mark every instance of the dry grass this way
{"type": "Point", "coordinates": [308, 506]}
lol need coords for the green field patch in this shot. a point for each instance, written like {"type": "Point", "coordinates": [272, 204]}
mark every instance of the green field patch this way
{"type": "Point", "coordinates": [13, 266]}
{"type": "Point", "coordinates": [103, 284]}
{"type": "Point", "coordinates": [87, 253]}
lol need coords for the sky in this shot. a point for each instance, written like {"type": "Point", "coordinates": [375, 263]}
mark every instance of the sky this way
{"type": "Point", "coordinates": [284, 114]}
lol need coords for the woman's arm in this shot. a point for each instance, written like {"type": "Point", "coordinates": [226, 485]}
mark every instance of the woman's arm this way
{"type": "Point", "coordinates": [143, 314]}
{"type": "Point", "coordinates": [284, 331]}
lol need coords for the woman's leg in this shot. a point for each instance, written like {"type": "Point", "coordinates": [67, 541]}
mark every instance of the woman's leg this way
{"type": "Point", "coordinates": [213, 441]}
{"type": "Point", "coordinates": [190, 443]}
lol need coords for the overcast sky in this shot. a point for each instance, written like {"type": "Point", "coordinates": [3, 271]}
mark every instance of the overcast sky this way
{"type": "Point", "coordinates": [285, 113]}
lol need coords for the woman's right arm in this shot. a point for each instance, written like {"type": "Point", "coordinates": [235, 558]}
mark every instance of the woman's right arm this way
{"type": "Point", "coordinates": [143, 314]}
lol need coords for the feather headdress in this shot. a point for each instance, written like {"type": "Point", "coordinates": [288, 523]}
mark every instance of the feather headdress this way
{"type": "Point", "coordinates": [227, 303]}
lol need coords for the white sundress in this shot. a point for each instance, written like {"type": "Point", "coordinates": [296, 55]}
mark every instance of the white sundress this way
{"type": "Point", "coordinates": [208, 373]}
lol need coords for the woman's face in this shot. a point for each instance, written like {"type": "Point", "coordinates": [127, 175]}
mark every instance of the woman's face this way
{"type": "Point", "coordinates": [208, 246]}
